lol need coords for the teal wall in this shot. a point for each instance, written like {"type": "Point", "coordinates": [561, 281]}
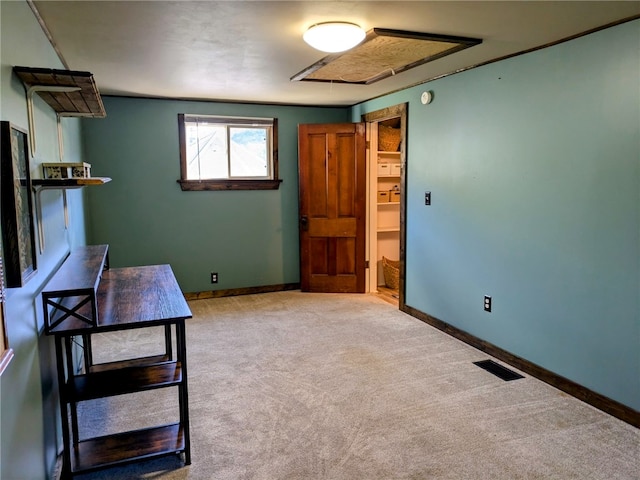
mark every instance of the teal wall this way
{"type": "Point", "coordinates": [534, 168]}
{"type": "Point", "coordinates": [29, 412]}
{"type": "Point", "coordinates": [249, 237]}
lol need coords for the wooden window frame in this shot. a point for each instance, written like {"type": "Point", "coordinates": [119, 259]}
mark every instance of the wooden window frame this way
{"type": "Point", "coordinates": [231, 183]}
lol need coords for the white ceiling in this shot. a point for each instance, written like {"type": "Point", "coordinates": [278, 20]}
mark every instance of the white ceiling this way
{"type": "Point", "coordinates": [248, 50]}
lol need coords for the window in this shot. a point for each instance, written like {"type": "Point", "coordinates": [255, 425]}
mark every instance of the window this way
{"type": "Point", "coordinates": [228, 153]}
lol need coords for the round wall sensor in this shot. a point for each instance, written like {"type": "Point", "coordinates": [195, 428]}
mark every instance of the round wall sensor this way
{"type": "Point", "coordinates": [426, 97]}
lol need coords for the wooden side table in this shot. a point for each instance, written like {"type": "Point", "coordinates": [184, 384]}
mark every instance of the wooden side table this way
{"type": "Point", "coordinates": [126, 298]}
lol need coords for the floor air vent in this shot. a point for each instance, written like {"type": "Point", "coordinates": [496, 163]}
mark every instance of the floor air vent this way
{"type": "Point", "coordinates": [498, 370]}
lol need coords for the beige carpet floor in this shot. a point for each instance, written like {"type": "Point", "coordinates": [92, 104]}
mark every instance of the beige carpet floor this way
{"type": "Point", "coordinates": [299, 386]}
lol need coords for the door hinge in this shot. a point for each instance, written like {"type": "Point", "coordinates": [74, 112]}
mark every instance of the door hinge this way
{"type": "Point", "coordinates": [367, 144]}
{"type": "Point", "coordinates": [366, 264]}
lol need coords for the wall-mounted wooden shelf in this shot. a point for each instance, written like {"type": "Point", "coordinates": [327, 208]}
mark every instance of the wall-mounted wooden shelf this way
{"type": "Point", "coordinates": [63, 183]}
{"type": "Point", "coordinates": [83, 100]}
{"type": "Point", "coordinates": [68, 92]}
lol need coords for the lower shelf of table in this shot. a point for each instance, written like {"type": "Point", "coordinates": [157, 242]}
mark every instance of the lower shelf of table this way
{"type": "Point", "coordinates": [124, 380]}
{"type": "Point", "coordinates": [102, 452]}
{"type": "Point", "coordinates": [134, 362]}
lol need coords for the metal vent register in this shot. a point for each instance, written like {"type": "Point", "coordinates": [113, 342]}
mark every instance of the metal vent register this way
{"type": "Point", "coordinates": [498, 370]}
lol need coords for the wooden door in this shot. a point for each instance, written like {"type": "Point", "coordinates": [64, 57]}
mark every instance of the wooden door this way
{"type": "Point", "coordinates": [332, 186]}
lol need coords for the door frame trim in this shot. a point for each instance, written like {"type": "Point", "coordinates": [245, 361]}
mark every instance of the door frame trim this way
{"type": "Point", "coordinates": [401, 110]}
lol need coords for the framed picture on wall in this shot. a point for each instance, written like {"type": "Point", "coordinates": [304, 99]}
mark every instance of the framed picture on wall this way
{"type": "Point", "coordinates": [5, 352]}
{"type": "Point", "coordinates": [18, 238]}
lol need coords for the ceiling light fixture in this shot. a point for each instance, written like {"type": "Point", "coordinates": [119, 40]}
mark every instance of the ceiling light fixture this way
{"type": "Point", "coordinates": [334, 37]}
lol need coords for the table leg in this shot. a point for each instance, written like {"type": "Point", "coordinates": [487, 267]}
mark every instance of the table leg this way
{"type": "Point", "coordinates": [181, 346]}
{"type": "Point", "coordinates": [167, 342]}
{"type": "Point", "coordinates": [66, 453]}
{"type": "Point", "coordinates": [70, 374]}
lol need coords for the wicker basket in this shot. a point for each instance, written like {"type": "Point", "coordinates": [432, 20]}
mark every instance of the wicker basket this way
{"type": "Point", "coordinates": [391, 270]}
{"type": "Point", "coordinates": [388, 138]}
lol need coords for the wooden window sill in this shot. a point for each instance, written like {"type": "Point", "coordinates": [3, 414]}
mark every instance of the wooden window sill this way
{"type": "Point", "coordinates": [203, 185]}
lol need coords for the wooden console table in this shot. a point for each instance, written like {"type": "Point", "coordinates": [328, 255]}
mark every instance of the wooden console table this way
{"type": "Point", "coordinates": [123, 298]}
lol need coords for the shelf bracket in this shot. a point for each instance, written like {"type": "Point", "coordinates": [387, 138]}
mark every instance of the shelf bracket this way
{"type": "Point", "coordinates": [60, 115]}
{"type": "Point", "coordinates": [30, 116]}
{"type": "Point", "coordinates": [38, 192]}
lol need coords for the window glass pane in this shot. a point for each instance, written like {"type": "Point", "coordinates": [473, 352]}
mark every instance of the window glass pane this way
{"type": "Point", "coordinates": [249, 152]}
{"type": "Point", "coordinates": [206, 151]}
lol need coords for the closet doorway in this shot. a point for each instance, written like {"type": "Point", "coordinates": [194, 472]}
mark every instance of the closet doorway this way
{"type": "Point", "coordinates": [387, 159]}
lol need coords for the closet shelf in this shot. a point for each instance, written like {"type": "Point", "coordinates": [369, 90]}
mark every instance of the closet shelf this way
{"type": "Point", "coordinates": [68, 92]}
